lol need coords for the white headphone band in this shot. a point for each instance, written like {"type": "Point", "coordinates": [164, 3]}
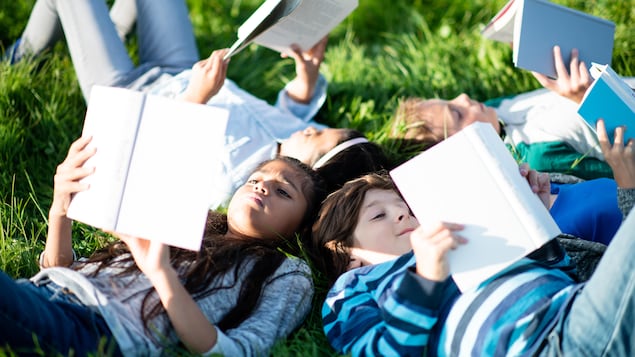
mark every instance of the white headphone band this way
{"type": "Point", "coordinates": [336, 150]}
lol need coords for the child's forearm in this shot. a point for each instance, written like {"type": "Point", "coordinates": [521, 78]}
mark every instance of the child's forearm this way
{"type": "Point", "coordinates": [192, 327]}
{"type": "Point", "coordinates": [58, 250]}
{"type": "Point", "coordinates": [301, 91]}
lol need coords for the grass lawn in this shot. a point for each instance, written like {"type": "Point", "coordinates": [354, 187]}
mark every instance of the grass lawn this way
{"type": "Point", "coordinates": [384, 51]}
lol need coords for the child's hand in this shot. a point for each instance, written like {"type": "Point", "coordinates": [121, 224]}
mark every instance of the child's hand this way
{"type": "Point", "coordinates": [68, 175]}
{"type": "Point", "coordinates": [538, 182]}
{"type": "Point", "coordinates": [431, 245]}
{"type": "Point", "coordinates": [570, 84]}
{"type": "Point", "coordinates": [152, 258]}
{"type": "Point", "coordinates": [207, 78]}
{"type": "Point", "coordinates": [307, 71]}
{"type": "Point", "coordinates": [620, 157]}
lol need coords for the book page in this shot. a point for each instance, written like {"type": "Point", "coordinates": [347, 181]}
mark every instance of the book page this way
{"type": "Point", "coordinates": [111, 119]}
{"type": "Point", "coordinates": [173, 168]}
{"type": "Point", "coordinates": [307, 24]}
{"type": "Point", "coordinates": [501, 27]}
{"type": "Point", "coordinates": [540, 25]}
{"type": "Point", "coordinates": [480, 187]}
{"type": "Point", "coordinates": [267, 15]}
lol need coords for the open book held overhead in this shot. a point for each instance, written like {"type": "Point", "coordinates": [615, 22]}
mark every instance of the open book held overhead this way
{"type": "Point", "coordinates": [534, 27]}
{"type": "Point", "coordinates": [472, 179]}
{"type": "Point", "coordinates": [156, 163]}
{"type": "Point", "coordinates": [277, 24]}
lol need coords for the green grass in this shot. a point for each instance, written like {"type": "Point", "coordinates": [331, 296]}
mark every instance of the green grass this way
{"type": "Point", "coordinates": [382, 52]}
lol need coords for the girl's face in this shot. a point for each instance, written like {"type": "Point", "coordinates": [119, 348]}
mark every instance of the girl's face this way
{"type": "Point", "coordinates": [383, 228]}
{"type": "Point", "coordinates": [447, 117]}
{"type": "Point", "coordinates": [272, 202]}
{"type": "Point", "coordinates": [310, 144]}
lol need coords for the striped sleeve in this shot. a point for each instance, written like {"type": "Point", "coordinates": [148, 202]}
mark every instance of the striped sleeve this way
{"type": "Point", "coordinates": [382, 310]}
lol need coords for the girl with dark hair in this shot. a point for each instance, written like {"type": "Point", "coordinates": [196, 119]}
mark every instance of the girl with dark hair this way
{"type": "Point", "coordinates": [239, 294]}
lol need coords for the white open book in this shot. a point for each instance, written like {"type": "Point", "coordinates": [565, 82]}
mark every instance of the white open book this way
{"type": "Point", "coordinates": [472, 179]}
{"type": "Point", "coordinates": [533, 27]}
{"type": "Point", "coordinates": [277, 24]}
{"type": "Point", "coordinates": [155, 165]}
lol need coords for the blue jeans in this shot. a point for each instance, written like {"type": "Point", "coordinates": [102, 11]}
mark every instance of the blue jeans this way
{"type": "Point", "coordinates": [164, 33]}
{"type": "Point", "coordinates": [49, 318]}
{"type": "Point", "coordinates": [601, 317]}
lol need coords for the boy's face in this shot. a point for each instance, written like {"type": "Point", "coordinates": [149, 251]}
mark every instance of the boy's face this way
{"type": "Point", "coordinates": [383, 228]}
{"type": "Point", "coordinates": [271, 203]}
{"type": "Point", "coordinates": [447, 117]}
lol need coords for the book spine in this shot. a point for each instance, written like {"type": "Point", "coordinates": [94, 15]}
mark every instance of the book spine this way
{"type": "Point", "coordinates": [144, 97]}
{"type": "Point", "coordinates": [525, 205]}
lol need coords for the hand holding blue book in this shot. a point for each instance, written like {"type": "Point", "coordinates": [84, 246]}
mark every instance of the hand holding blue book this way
{"type": "Point", "coordinates": [611, 99]}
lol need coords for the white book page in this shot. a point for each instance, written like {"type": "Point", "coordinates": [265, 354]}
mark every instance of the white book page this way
{"type": "Point", "coordinates": [111, 119]}
{"type": "Point", "coordinates": [501, 27]}
{"type": "Point", "coordinates": [542, 25]}
{"type": "Point", "coordinates": [309, 23]}
{"type": "Point", "coordinates": [267, 15]}
{"type": "Point", "coordinates": [261, 13]}
{"type": "Point", "coordinates": [454, 182]}
{"type": "Point", "coordinates": [173, 169]}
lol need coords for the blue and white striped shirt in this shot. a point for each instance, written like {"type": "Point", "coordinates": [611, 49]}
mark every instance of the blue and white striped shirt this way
{"type": "Point", "coordinates": [388, 310]}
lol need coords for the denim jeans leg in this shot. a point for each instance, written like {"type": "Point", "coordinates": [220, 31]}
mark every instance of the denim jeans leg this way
{"type": "Point", "coordinates": [42, 30]}
{"type": "Point", "coordinates": [165, 34]}
{"type": "Point", "coordinates": [99, 56]}
{"type": "Point", "coordinates": [39, 318]}
{"type": "Point", "coordinates": [601, 320]}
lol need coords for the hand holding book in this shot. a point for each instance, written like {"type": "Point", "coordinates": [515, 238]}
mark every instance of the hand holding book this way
{"type": "Point", "coordinates": [208, 76]}
{"type": "Point", "coordinates": [572, 83]}
{"type": "Point", "coordinates": [307, 71]}
{"type": "Point", "coordinates": [431, 246]}
{"type": "Point", "coordinates": [503, 218]}
{"type": "Point", "coordinates": [609, 97]}
{"type": "Point", "coordinates": [620, 157]}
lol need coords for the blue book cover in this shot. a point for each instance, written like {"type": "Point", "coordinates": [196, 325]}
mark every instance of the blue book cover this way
{"type": "Point", "coordinates": [541, 24]}
{"type": "Point", "coordinates": [611, 99]}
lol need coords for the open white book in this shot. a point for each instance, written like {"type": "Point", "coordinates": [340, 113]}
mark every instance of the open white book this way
{"type": "Point", "coordinates": [472, 179]}
{"type": "Point", "coordinates": [277, 24]}
{"type": "Point", "coordinates": [155, 165]}
{"type": "Point", "coordinates": [533, 27]}
{"type": "Point", "coordinates": [611, 99]}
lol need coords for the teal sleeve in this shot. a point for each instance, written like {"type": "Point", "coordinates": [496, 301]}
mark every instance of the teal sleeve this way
{"type": "Point", "coordinates": [556, 156]}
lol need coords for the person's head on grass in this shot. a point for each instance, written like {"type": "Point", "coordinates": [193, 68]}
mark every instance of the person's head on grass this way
{"type": "Point", "coordinates": [421, 123]}
{"type": "Point", "coordinates": [338, 155]}
{"type": "Point", "coordinates": [365, 222]}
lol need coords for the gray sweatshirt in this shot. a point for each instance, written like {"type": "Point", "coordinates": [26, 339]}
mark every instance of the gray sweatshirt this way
{"type": "Point", "coordinates": [284, 303]}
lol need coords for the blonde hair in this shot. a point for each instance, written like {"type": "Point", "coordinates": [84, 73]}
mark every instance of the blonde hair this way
{"type": "Point", "coordinates": [411, 125]}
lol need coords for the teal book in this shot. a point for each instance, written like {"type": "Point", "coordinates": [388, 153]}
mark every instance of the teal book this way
{"type": "Point", "coordinates": [611, 99]}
